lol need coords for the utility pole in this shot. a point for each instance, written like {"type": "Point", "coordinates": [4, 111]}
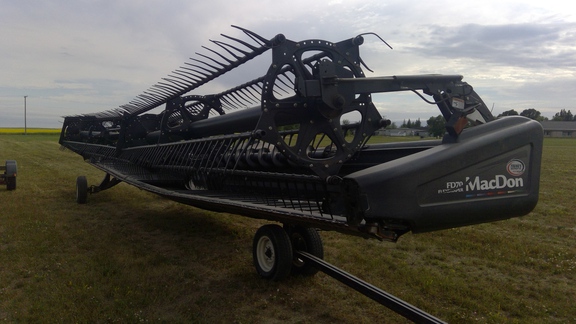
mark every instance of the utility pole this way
{"type": "Point", "coordinates": [25, 128]}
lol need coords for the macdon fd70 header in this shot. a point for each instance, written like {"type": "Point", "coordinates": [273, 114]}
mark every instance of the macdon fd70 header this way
{"type": "Point", "coordinates": [277, 147]}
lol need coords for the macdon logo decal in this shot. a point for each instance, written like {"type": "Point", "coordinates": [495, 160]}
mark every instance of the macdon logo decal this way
{"type": "Point", "coordinates": [515, 167]}
{"type": "Point", "coordinates": [498, 184]}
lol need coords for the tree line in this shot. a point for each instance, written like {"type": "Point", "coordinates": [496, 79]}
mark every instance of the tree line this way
{"type": "Point", "coordinates": [562, 115]}
{"type": "Point", "coordinates": [436, 125]}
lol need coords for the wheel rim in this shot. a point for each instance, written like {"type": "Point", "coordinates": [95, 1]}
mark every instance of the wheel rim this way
{"type": "Point", "coordinates": [265, 254]}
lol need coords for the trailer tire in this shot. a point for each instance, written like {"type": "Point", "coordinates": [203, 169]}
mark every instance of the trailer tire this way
{"type": "Point", "coordinates": [10, 174]}
{"type": "Point", "coordinates": [272, 252]}
{"type": "Point", "coordinates": [11, 183]}
{"type": "Point", "coordinates": [307, 240]}
{"type": "Point", "coordinates": [81, 190]}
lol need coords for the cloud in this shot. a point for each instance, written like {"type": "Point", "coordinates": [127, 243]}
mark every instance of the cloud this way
{"type": "Point", "coordinates": [87, 56]}
{"type": "Point", "coordinates": [525, 45]}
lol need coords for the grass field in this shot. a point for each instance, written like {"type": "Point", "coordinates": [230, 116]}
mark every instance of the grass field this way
{"type": "Point", "coordinates": [130, 256]}
{"type": "Point", "coordinates": [31, 131]}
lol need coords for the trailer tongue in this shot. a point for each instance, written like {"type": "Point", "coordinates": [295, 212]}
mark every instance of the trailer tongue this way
{"type": "Point", "coordinates": [279, 147]}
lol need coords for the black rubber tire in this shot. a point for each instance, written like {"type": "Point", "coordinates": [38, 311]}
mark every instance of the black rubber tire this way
{"type": "Point", "coordinates": [10, 174]}
{"type": "Point", "coordinates": [308, 240]}
{"type": "Point", "coordinates": [272, 252]}
{"type": "Point", "coordinates": [81, 190]}
{"type": "Point", "coordinates": [10, 183]}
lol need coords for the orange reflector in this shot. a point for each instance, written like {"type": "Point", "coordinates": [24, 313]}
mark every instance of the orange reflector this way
{"type": "Point", "coordinates": [460, 124]}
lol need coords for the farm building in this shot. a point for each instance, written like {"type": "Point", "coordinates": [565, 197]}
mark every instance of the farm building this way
{"type": "Point", "coordinates": [401, 132]}
{"type": "Point", "coordinates": [551, 129]}
{"type": "Point", "coordinates": [559, 128]}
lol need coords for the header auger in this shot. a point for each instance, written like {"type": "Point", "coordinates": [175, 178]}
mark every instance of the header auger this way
{"type": "Point", "coordinates": [277, 147]}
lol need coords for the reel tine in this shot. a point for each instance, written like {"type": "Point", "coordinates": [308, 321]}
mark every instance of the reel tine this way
{"type": "Point", "coordinates": [247, 98]}
{"type": "Point", "coordinates": [226, 104]}
{"type": "Point", "coordinates": [220, 55]}
{"type": "Point", "coordinates": [234, 47]}
{"type": "Point", "coordinates": [251, 47]}
{"type": "Point", "coordinates": [176, 82]}
{"type": "Point", "coordinates": [232, 96]}
{"type": "Point", "coordinates": [145, 99]}
{"type": "Point", "coordinates": [282, 82]}
{"type": "Point", "coordinates": [158, 91]}
{"type": "Point", "coordinates": [191, 75]}
{"type": "Point", "coordinates": [240, 92]}
{"type": "Point", "coordinates": [254, 36]}
{"type": "Point", "coordinates": [217, 69]}
{"type": "Point", "coordinates": [186, 73]}
{"type": "Point", "coordinates": [211, 59]}
{"type": "Point", "coordinates": [152, 94]}
{"type": "Point", "coordinates": [169, 86]}
{"type": "Point", "coordinates": [136, 102]}
{"type": "Point", "coordinates": [205, 75]}
{"type": "Point", "coordinates": [183, 74]}
{"type": "Point", "coordinates": [162, 89]}
{"type": "Point", "coordinates": [225, 46]}
{"type": "Point", "coordinates": [253, 98]}
{"type": "Point", "coordinates": [148, 96]}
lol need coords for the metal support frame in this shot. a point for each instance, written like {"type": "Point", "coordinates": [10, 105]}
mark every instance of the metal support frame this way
{"type": "Point", "coordinates": [392, 302]}
{"type": "Point", "coordinates": [106, 183]}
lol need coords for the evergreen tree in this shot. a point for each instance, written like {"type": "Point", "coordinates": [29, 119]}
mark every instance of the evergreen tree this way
{"type": "Point", "coordinates": [563, 115]}
{"type": "Point", "coordinates": [417, 123]}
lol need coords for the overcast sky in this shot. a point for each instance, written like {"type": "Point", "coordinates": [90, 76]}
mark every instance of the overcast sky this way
{"type": "Point", "coordinates": [72, 57]}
